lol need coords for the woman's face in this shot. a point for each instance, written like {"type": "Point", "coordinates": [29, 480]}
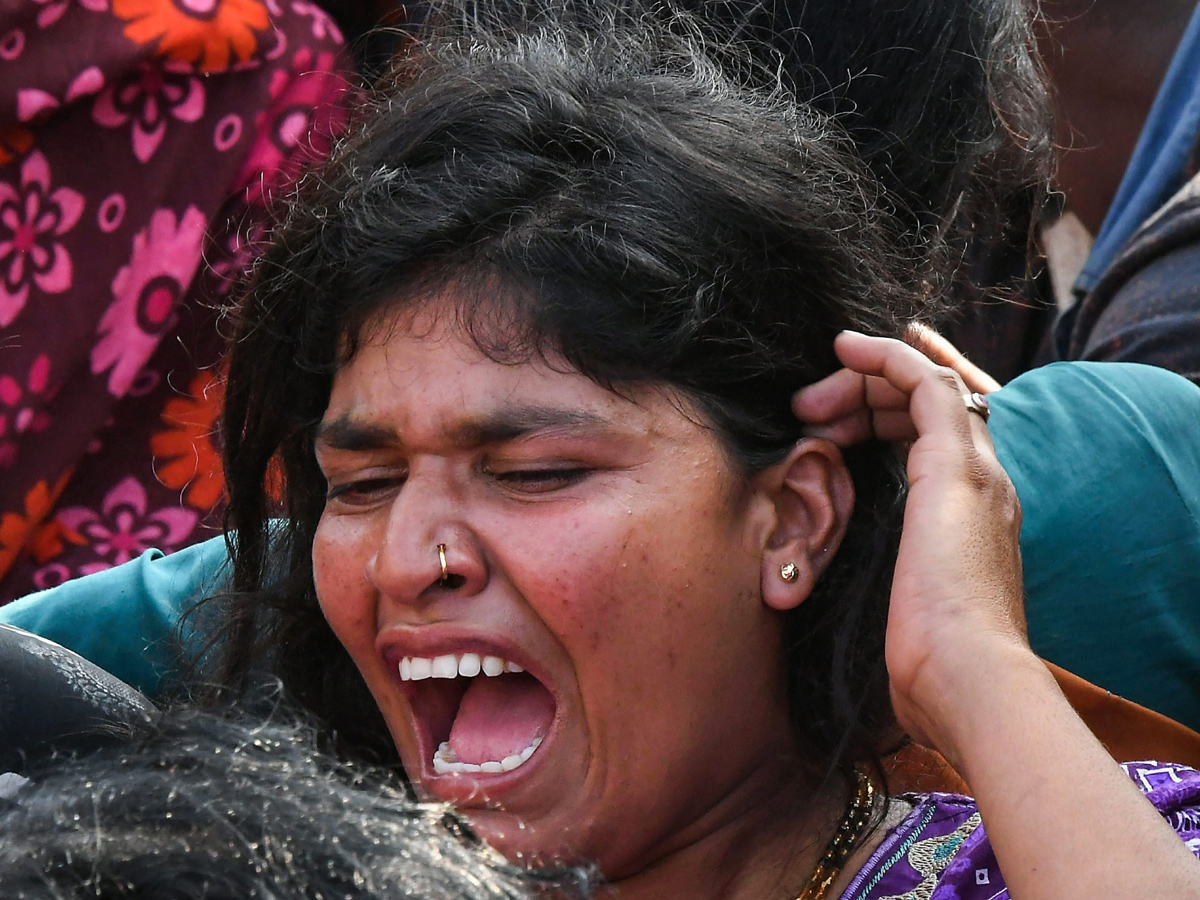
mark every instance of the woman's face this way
{"type": "Point", "coordinates": [600, 543]}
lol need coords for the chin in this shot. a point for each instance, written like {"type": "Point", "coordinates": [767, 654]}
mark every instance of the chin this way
{"type": "Point", "coordinates": [521, 843]}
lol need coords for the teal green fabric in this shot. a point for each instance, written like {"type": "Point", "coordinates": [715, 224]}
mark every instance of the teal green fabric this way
{"type": "Point", "coordinates": [1105, 458]}
{"type": "Point", "coordinates": [124, 619]}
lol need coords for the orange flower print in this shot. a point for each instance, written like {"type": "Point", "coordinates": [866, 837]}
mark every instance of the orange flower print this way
{"type": "Point", "coordinates": [29, 530]}
{"type": "Point", "coordinates": [184, 455]}
{"type": "Point", "coordinates": [200, 33]}
{"type": "Point", "coordinates": [15, 141]}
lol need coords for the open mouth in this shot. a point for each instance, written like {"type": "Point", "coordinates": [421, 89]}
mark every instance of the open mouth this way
{"type": "Point", "coordinates": [483, 714]}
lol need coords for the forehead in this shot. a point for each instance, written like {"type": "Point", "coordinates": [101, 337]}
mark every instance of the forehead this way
{"type": "Point", "coordinates": [415, 372]}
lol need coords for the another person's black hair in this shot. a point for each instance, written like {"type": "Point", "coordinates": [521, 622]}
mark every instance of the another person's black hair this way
{"type": "Point", "coordinates": [606, 196]}
{"type": "Point", "coordinates": [207, 808]}
{"type": "Point", "coordinates": [945, 100]}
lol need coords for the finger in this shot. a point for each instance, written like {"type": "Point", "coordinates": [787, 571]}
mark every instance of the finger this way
{"type": "Point", "coordinates": [883, 397]}
{"type": "Point", "coordinates": [845, 431]}
{"type": "Point", "coordinates": [980, 430]}
{"type": "Point", "coordinates": [894, 427]}
{"type": "Point", "coordinates": [935, 392]}
{"type": "Point", "coordinates": [891, 426]}
{"type": "Point", "coordinates": [841, 394]}
{"type": "Point", "coordinates": [944, 353]}
{"type": "Point", "coordinates": [845, 393]}
{"type": "Point", "coordinates": [901, 365]}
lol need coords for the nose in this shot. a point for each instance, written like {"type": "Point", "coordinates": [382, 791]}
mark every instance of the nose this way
{"type": "Point", "coordinates": [427, 525]}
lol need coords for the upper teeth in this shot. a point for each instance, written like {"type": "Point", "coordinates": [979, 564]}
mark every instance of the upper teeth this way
{"type": "Point", "coordinates": [451, 665]}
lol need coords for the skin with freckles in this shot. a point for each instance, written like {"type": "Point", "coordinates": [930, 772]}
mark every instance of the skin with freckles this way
{"type": "Point", "coordinates": [602, 541]}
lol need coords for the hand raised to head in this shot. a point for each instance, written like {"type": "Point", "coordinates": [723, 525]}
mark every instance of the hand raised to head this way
{"type": "Point", "coordinates": [956, 605]}
{"type": "Point", "coordinates": [850, 407]}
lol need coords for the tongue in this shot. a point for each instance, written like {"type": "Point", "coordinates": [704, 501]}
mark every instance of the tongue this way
{"type": "Point", "coordinates": [500, 716]}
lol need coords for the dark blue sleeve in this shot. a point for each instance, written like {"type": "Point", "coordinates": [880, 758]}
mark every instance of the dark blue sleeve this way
{"type": "Point", "coordinates": [1154, 317]}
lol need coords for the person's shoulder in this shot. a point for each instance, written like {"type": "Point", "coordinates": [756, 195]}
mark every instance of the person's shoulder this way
{"type": "Point", "coordinates": [1050, 410]}
{"type": "Point", "coordinates": [1130, 409]}
{"type": "Point", "coordinates": [124, 619]}
{"type": "Point", "coordinates": [942, 843]}
{"type": "Point", "coordinates": [923, 851]}
{"type": "Point", "coordinates": [1144, 305]}
{"type": "Point", "coordinates": [1094, 381]}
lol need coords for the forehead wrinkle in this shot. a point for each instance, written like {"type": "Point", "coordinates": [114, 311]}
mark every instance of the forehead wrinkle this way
{"type": "Point", "coordinates": [511, 422]}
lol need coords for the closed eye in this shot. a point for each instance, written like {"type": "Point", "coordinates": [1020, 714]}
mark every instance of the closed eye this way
{"type": "Point", "coordinates": [364, 491]}
{"type": "Point", "coordinates": [539, 481]}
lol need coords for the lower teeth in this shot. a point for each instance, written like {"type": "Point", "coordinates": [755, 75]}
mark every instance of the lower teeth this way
{"type": "Point", "coordinates": [444, 762]}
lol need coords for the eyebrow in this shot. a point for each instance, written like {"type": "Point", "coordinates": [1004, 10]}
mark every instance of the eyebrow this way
{"type": "Point", "coordinates": [506, 424]}
{"type": "Point", "coordinates": [345, 433]}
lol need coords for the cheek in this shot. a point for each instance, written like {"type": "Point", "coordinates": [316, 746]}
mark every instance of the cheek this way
{"type": "Point", "coordinates": [672, 653]}
{"type": "Point", "coordinates": [585, 575]}
{"type": "Point", "coordinates": [643, 599]}
{"type": "Point", "coordinates": [341, 550]}
{"type": "Point", "coordinates": [339, 574]}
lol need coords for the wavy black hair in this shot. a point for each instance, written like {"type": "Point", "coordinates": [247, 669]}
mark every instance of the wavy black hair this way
{"type": "Point", "coordinates": [610, 196]}
{"type": "Point", "coordinates": [203, 807]}
{"type": "Point", "coordinates": [946, 102]}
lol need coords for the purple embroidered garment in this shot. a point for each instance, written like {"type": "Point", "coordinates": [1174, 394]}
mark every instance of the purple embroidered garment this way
{"type": "Point", "coordinates": [941, 850]}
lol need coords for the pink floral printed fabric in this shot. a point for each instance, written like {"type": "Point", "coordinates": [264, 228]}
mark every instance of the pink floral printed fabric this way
{"type": "Point", "coordinates": [141, 142]}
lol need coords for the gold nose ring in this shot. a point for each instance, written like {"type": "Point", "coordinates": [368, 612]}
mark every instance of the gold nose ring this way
{"type": "Point", "coordinates": [441, 549]}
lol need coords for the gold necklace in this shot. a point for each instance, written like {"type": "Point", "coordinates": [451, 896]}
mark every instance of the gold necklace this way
{"type": "Point", "coordinates": [842, 843]}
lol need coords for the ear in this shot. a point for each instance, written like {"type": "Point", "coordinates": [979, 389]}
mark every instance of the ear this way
{"type": "Point", "coordinates": [813, 497]}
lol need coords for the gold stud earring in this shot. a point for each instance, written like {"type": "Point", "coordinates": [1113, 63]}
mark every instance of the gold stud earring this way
{"type": "Point", "coordinates": [788, 572]}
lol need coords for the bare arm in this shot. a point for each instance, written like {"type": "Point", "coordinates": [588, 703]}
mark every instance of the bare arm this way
{"type": "Point", "coordinates": [1064, 820]}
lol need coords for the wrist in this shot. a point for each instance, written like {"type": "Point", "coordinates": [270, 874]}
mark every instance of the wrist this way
{"type": "Point", "coordinates": [967, 686]}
